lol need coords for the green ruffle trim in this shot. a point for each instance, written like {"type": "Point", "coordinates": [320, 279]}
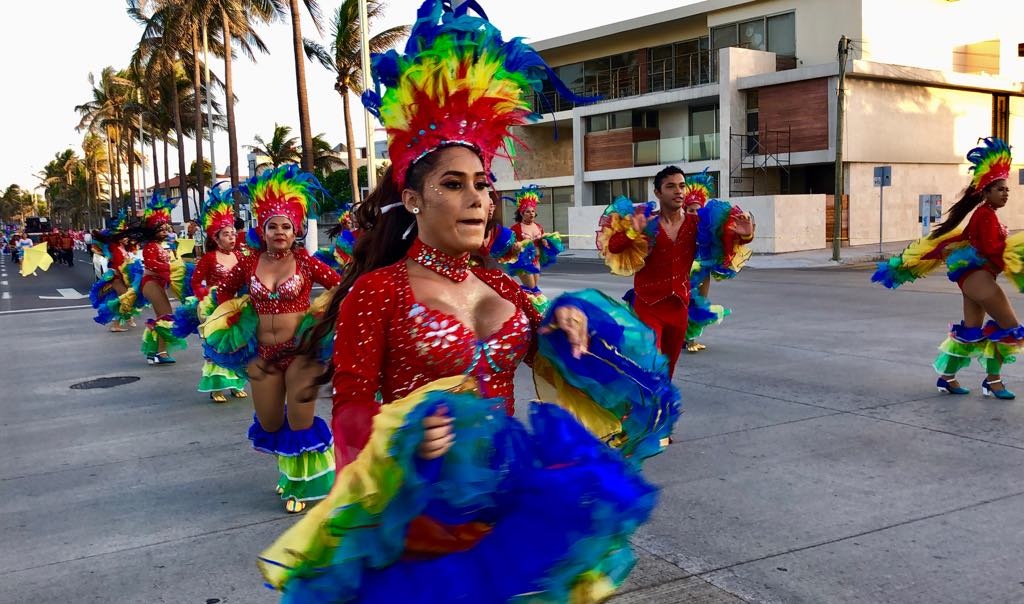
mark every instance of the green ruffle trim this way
{"type": "Point", "coordinates": [955, 356]}
{"type": "Point", "coordinates": [217, 378]}
{"type": "Point", "coordinates": [162, 330]}
{"type": "Point", "coordinates": [306, 477]}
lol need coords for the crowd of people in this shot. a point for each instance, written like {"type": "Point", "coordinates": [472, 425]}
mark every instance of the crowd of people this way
{"type": "Point", "coordinates": [61, 244]}
{"type": "Point", "coordinates": [424, 487]}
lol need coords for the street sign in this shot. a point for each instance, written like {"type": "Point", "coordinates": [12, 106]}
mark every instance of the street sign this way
{"type": "Point", "coordinates": [883, 176]}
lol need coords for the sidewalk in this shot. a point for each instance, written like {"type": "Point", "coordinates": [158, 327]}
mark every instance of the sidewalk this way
{"type": "Point", "coordinates": [849, 255]}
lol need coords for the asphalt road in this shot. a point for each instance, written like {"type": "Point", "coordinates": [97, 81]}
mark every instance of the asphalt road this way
{"type": "Point", "coordinates": [58, 287]}
{"type": "Point", "coordinates": [815, 462]}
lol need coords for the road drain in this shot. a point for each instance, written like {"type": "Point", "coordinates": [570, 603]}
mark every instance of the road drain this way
{"type": "Point", "coordinates": [105, 382]}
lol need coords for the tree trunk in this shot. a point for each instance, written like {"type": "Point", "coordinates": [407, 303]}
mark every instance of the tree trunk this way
{"type": "Point", "coordinates": [350, 142]}
{"type": "Point", "coordinates": [300, 88]}
{"type": "Point", "coordinates": [182, 190]}
{"type": "Point", "coordinates": [197, 86]}
{"type": "Point", "coordinates": [120, 187]}
{"type": "Point", "coordinates": [229, 101]}
{"type": "Point", "coordinates": [130, 149]}
{"type": "Point", "coordinates": [167, 169]}
{"type": "Point", "coordinates": [156, 169]}
{"type": "Point", "coordinates": [110, 175]}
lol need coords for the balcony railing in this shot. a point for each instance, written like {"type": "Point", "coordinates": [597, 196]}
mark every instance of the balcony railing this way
{"type": "Point", "coordinates": [683, 71]}
{"type": "Point", "coordinates": [698, 147]}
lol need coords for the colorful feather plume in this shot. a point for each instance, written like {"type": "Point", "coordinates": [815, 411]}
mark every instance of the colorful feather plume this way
{"type": "Point", "coordinates": [528, 197]}
{"type": "Point", "coordinates": [991, 162]}
{"type": "Point", "coordinates": [630, 226]}
{"type": "Point", "coordinates": [158, 210]}
{"type": "Point", "coordinates": [458, 82]}
{"type": "Point", "coordinates": [918, 259]}
{"type": "Point", "coordinates": [218, 211]}
{"type": "Point", "coordinates": [284, 191]}
{"type": "Point", "coordinates": [698, 188]}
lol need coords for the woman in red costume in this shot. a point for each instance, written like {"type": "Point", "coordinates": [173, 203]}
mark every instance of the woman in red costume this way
{"type": "Point", "coordinates": [425, 352]}
{"type": "Point", "coordinates": [218, 222]}
{"type": "Point", "coordinates": [974, 257]}
{"type": "Point", "coordinates": [279, 278]}
{"type": "Point", "coordinates": [158, 338]}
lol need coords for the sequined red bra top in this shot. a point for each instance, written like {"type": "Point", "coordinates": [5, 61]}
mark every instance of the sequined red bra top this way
{"type": "Point", "coordinates": [388, 342]}
{"type": "Point", "coordinates": [291, 295]}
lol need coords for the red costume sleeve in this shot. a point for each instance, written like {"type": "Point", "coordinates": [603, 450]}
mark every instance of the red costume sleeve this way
{"type": "Point", "coordinates": [235, 279]}
{"type": "Point", "coordinates": [154, 261]}
{"type": "Point", "coordinates": [986, 234]}
{"type": "Point", "coordinates": [321, 273]}
{"type": "Point", "coordinates": [359, 345]}
{"type": "Point", "coordinates": [117, 257]}
{"type": "Point", "coordinates": [617, 243]}
{"type": "Point", "coordinates": [199, 275]}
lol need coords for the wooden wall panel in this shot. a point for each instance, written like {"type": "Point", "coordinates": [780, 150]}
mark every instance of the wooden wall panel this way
{"type": "Point", "coordinates": [614, 148]}
{"type": "Point", "coordinates": [830, 218]}
{"type": "Point", "coordinates": [801, 107]}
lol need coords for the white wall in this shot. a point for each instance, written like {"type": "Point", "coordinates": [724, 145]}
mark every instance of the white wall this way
{"type": "Point", "coordinates": [894, 122]}
{"type": "Point", "coordinates": [819, 23]}
{"type": "Point", "coordinates": [583, 221]}
{"type": "Point", "coordinates": [735, 63]}
{"type": "Point", "coordinates": [786, 223]}
{"type": "Point", "coordinates": [923, 33]}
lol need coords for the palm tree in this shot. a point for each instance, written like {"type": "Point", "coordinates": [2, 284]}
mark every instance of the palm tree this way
{"type": "Point", "coordinates": [106, 113]}
{"type": "Point", "coordinates": [300, 76]}
{"type": "Point", "coordinates": [236, 24]}
{"type": "Point", "coordinates": [94, 159]}
{"type": "Point", "coordinates": [281, 149]}
{"type": "Point", "coordinates": [324, 159]}
{"type": "Point", "coordinates": [344, 58]}
{"type": "Point", "coordinates": [159, 54]}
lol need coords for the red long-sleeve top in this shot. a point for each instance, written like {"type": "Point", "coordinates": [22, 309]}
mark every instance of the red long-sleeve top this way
{"type": "Point", "coordinates": [209, 272]}
{"type": "Point", "coordinates": [666, 272]}
{"type": "Point", "coordinates": [292, 295]}
{"type": "Point", "coordinates": [157, 260]}
{"type": "Point", "coordinates": [118, 255]}
{"type": "Point", "coordinates": [987, 235]}
{"type": "Point", "coordinates": [387, 342]}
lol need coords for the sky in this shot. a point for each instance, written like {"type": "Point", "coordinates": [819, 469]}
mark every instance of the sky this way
{"type": "Point", "coordinates": [50, 47]}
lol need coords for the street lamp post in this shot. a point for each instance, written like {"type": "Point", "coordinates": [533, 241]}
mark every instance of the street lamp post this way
{"type": "Point", "coordinates": [364, 44]}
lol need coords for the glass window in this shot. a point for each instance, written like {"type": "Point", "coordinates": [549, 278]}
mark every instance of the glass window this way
{"type": "Point", "coordinates": [782, 34]}
{"type": "Point", "coordinates": [660, 69]}
{"type": "Point", "coordinates": [724, 36]}
{"type": "Point", "coordinates": [597, 123]}
{"type": "Point", "coordinates": [596, 74]}
{"type": "Point", "coordinates": [752, 34]}
{"type": "Point", "coordinates": [561, 201]}
{"type": "Point", "coordinates": [704, 120]}
{"type": "Point", "coordinates": [608, 190]}
{"type": "Point", "coordinates": [620, 119]}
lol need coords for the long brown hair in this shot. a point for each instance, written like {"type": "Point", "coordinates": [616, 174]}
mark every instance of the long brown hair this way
{"type": "Point", "coordinates": [384, 239]}
{"type": "Point", "coordinates": [970, 199]}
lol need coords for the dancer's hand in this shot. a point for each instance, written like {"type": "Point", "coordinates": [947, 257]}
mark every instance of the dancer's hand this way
{"type": "Point", "coordinates": [437, 435]}
{"type": "Point", "coordinates": [639, 222]}
{"type": "Point", "coordinates": [743, 226]}
{"type": "Point", "coordinates": [573, 322]}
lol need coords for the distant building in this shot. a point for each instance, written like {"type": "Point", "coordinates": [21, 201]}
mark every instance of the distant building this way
{"type": "Point", "coordinates": [747, 90]}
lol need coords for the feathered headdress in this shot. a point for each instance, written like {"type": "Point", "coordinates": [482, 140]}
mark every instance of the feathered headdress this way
{"type": "Point", "coordinates": [991, 162]}
{"type": "Point", "coordinates": [158, 210]}
{"type": "Point", "coordinates": [457, 83]}
{"type": "Point", "coordinates": [121, 222]}
{"type": "Point", "coordinates": [697, 188]}
{"type": "Point", "coordinates": [284, 191]}
{"type": "Point", "coordinates": [528, 197]}
{"type": "Point", "coordinates": [218, 211]}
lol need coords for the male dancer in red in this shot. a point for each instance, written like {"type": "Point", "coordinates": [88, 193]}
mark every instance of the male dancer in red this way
{"type": "Point", "coordinates": [661, 289]}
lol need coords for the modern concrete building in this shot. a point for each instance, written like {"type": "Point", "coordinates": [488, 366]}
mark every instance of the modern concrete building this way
{"type": "Point", "coordinates": [747, 89]}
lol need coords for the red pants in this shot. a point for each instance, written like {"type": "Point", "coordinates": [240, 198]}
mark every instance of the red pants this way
{"type": "Point", "coordinates": [668, 319]}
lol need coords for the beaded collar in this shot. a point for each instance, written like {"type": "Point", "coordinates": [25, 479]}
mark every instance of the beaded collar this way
{"type": "Point", "coordinates": [451, 267]}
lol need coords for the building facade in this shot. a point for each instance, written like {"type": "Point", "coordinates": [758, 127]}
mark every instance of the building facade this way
{"type": "Point", "coordinates": [748, 91]}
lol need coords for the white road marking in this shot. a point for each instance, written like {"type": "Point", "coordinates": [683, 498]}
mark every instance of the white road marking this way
{"type": "Point", "coordinates": [4, 283]}
{"type": "Point", "coordinates": [49, 308]}
{"type": "Point", "coordinates": [5, 296]}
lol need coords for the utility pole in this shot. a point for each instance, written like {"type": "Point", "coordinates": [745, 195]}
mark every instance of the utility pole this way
{"type": "Point", "coordinates": [837, 226]}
